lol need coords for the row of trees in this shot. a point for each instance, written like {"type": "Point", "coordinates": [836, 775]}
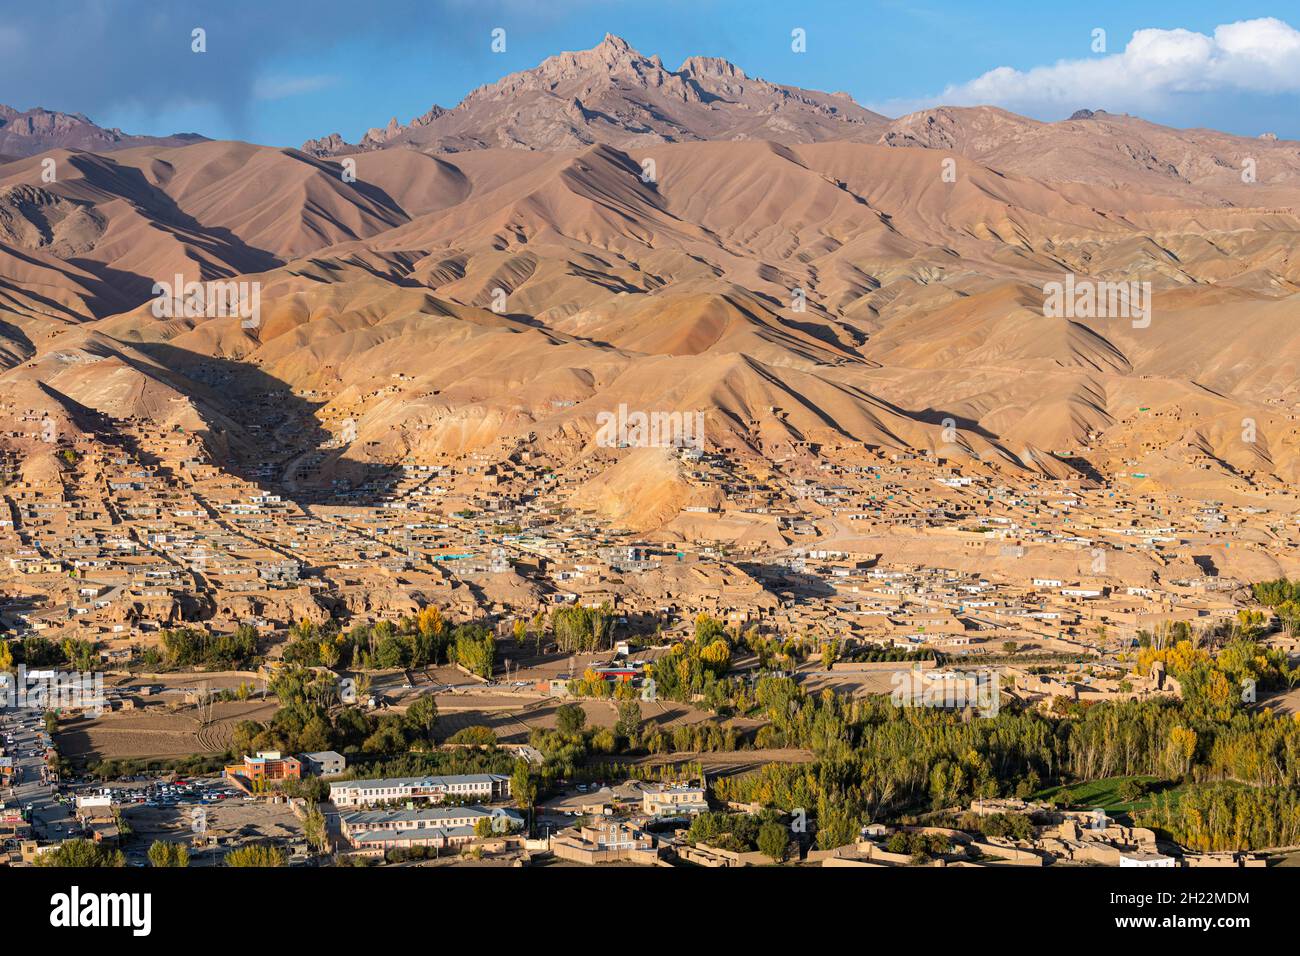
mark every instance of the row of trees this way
{"type": "Point", "coordinates": [875, 760]}
{"type": "Point", "coordinates": [475, 649]}
{"type": "Point", "coordinates": [34, 651]}
{"type": "Point", "coordinates": [257, 855]}
{"type": "Point", "coordinates": [309, 719]}
{"type": "Point", "coordinates": [580, 630]}
{"type": "Point", "coordinates": [166, 854]}
{"type": "Point", "coordinates": [921, 847]}
{"type": "Point", "coordinates": [191, 647]}
{"type": "Point", "coordinates": [418, 641]}
{"type": "Point", "coordinates": [696, 669]}
{"type": "Point", "coordinates": [410, 642]}
{"type": "Point", "coordinates": [742, 833]}
{"type": "Point", "coordinates": [1225, 816]}
{"type": "Point", "coordinates": [1283, 597]}
{"type": "Point", "coordinates": [1216, 683]}
{"type": "Point", "coordinates": [83, 854]}
{"type": "Point", "coordinates": [427, 639]}
{"type": "Point", "coordinates": [1276, 593]}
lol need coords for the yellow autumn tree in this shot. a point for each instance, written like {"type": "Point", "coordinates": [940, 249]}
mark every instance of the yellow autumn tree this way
{"type": "Point", "coordinates": [1179, 751]}
{"type": "Point", "coordinates": [717, 655]}
{"type": "Point", "coordinates": [329, 653]}
{"type": "Point", "coordinates": [430, 622]}
{"type": "Point", "coordinates": [1219, 691]}
{"type": "Point", "coordinates": [1178, 658]}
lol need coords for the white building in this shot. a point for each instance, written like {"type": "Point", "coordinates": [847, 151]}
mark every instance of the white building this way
{"type": "Point", "coordinates": [435, 789]}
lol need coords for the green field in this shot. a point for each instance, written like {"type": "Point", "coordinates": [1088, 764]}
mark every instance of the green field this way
{"type": "Point", "coordinates": [1105, 793]}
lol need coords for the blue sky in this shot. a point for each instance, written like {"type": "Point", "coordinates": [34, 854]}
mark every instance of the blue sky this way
{"type": "Point", "coordinates": [279, 73]}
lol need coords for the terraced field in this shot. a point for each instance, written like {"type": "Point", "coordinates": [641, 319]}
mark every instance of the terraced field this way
{"type": "Point", "coordinates": [144, 734]}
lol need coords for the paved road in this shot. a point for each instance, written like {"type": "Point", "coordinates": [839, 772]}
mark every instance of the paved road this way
{"type": "Point", "coordinates": [51, 821]}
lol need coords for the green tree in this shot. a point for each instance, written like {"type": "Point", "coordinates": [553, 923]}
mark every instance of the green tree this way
{"type": "Point", "coordinates": [539, 629]}
{"type": "Point", "coordinates": [582, 629]}
{"type": "Point", "coordinates": [361, 683]}
{"type": "Point", "coordinates": [329, 654]}
{"type": "Point", "coordinates": [257, 855]}
{"type": "Point", "coordinates": [475, 649]}
{"type": "Point", "coordinates": [422, 716]}
{"type": "Point", "coordinates": [773, 841]}
{"type": "Point", "coordinates": [523, 788]}
{"type": "Point", "coordinates": [164, 854]}
{"type": "Point", "coordinates": [81, 854]}
{"type": "Point", "coordinates": [570, 719]}
{"type": "Point", "coordinates": [313, 828]}
{"type": "Point", "coordinates": [837, 824]}
{"type": "Point", "coordinates": [479, 734]}
{"type": "Point", "coordinates": [629, 720]}
{"type": "Point", "coordinates": [392, 651]}
{"type": "Point", "coordinates": [1132, 790]}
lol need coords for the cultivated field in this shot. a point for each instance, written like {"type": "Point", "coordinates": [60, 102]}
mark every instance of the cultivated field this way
{"type": "Point", "coordinates": [157, 732]}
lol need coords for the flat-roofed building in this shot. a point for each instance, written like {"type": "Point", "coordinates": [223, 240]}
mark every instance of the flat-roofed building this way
{"type": "Point", "coordinates": [324, 763]}
{"type": "Point", "coordinates": [426, 826]}
{"type": "Point", "coordinates": [671, 801]}
{"type": "Point", "coordinates": [435, 789]}
{"type": "Point", "coordinates": [267, 766]}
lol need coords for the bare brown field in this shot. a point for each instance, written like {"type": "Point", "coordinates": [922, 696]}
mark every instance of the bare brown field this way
{"type": "Point", "coordinates": [527, 665]}
{"type": "Point", "coordinates": [514, 718]}
{"type": "Point", "coordinates": [156, 733]}
{"type": "Point", "coordinates": [733, 763]}
{"type": "Point", "coordinates": [1283, 702]}
{"type": "Point", "coordinates": [215, 680]}
{"type": "Point", "coordinates": [260, 820]}
{"type": "Point", "coordinates": [860, 683]}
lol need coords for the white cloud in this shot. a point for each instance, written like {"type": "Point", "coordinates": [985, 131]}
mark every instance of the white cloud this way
{"type": "Point", "coordinates": [1156, 67]}
{"type": "Point", "coordinates": [280, 87]}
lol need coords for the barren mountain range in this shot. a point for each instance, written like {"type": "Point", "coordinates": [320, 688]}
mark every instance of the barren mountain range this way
{"type": "Point", "coordinates": [37, 130]}
{"type": "Point", "coordinates": [808, 273]}
{"type": "Point", "coordinates": [612, 94]}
